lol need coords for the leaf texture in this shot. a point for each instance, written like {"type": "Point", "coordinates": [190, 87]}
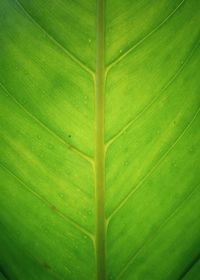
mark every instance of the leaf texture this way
{"type": "Point", "coordinates": [99, 140]}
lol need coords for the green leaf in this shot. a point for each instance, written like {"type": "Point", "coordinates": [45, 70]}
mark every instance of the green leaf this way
{"type": "Point", "coordinates": [99, 140]}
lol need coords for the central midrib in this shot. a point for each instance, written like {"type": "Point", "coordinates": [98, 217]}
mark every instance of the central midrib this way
{"type": "Point", "coordinates": [99, 149]}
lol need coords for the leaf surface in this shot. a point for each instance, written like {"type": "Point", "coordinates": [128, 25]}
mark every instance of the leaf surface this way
{"type": "Point", "coordinates": [99, 140]}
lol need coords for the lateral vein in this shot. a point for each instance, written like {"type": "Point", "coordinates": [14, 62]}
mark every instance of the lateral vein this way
{"type": "Point", "coordinates": [156, 232]}
{"type": "Point", "coordinates": [61, 140]}
{"type": "Point", "coordinates": [44, 200]}
{"type": "Point", "coordinates": [144, 38]}
{"type": "Point", "coordinates": [148, 106]}
{"type": "Point", "coordinates": [138, 186]}
{"type": "Point", "coordinates": [69, 54]}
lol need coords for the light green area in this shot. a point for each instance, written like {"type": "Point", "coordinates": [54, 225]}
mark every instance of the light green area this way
{"type": "Point", "coordinates": [99, 140]}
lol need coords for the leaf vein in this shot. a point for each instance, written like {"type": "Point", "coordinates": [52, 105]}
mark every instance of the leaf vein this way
{"type": "Point", "coordinates": [138, 186]}
{"type": "Point", "coordinates": [153, 235]}
{"type": "Point", "coordinates": [189, 268]}
{"type": "Point", "coordinates": [117, 60]}
{"type": "Point", "coordinates": [51, 206]}
{"type": "Point", "coordinates": [156, 98]}
{"type": "Point", "coordinates": [66, 51]}
{"type": "Point", "coordinates": [61, 140]}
